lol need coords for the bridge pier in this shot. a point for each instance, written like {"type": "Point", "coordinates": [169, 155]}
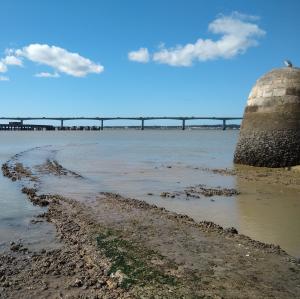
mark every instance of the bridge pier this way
{"type": "Point", "coordinates": [183, 124]}
{"type": "Point", "coordinates": [142, 125]}
{"type": "Point", "coordinates": [61, 124]}
{"type": "Point", "coordinates": [224, 125]}
{"type": "Point", "coordinates": [102, 121]}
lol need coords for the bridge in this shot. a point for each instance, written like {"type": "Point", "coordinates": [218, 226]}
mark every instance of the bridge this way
{"type": "Point", "coordinates": [19, 121]}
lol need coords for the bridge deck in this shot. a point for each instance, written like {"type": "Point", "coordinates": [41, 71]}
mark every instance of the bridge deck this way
{"type": "Point", "coordinates": [183, 119]}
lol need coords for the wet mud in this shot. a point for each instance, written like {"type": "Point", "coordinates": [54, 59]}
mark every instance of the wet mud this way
{"type": "Point", "coordinates": [116, 247]}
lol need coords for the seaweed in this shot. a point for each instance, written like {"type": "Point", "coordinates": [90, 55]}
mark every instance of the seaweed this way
{"type": "Point", "coordinates": [130, 259]}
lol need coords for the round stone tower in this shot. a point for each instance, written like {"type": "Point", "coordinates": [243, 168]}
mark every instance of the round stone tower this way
{"type": "Point", "coordinates": [270, 131]}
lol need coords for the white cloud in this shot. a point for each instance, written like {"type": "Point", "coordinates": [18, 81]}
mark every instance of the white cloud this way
{"type": "Point", "coordinates": [4, 78]}
{"type": "Point", "coordinates": [60, 59]}
{"type": "Point", "coordinates": [141, 55]}
{"type": "Point", "coordinates": [242, 16]}
{"type": "Point", "coordinates": [238, 33]}
{"type": "Point", "coordinates": [12, 60]}
{"type": "Point", "coordinates": [47, 75]}
{"type": "Point", "coordinates": [3, 67]}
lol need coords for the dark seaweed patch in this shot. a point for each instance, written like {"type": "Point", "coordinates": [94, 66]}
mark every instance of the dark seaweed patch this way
{"type": "Point", "coordinates": [131, 260]}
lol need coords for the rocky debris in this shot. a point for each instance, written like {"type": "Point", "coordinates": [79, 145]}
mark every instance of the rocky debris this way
{"type": "Point", "coordinates": [231, 230]}
{"type": "Point", "coordinates": [40, 200]}
{"type": "Point", "coordinates": [77, 269]}
{"type": "Point", "coordinates": [220, 171]}
{"type": "Point", "coordinates": [35, 221]}
{"type": "Point", "coordinates": [168, 194]}
{"type": "Point", "coordinates": [120, 276]}
{"type": "Point", "coordinates": [225, 171]}
{"type": "Point", "coordinates": [18, 247]}
{"type": "Point", "coordinates": [5, 170]}
{"type": "Point", "coordinates": [195, 191]}
{"type": "Point", "coordinates": [204, 226]}
{"type": "Point", "coordinates": [17, 172]}
{"type": "Point", "coordinates": [53, 167]}
{"type": "Point", "coordinates": [201, 190]}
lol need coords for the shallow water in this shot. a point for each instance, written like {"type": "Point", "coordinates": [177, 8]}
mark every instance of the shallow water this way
{"type": "Point", "coordinates": [136, 163]}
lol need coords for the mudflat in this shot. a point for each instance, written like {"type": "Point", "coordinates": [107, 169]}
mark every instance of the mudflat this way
{"type": "Point", "coordinates": [116, 247]}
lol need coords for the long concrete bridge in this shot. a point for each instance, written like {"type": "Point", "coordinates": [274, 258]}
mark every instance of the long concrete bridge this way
{"type": "Point", "coordinates": [183, 119]}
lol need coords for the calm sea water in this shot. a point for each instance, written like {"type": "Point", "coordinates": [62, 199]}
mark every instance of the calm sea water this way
{"type": "Point", "coordinates": [136, 163]}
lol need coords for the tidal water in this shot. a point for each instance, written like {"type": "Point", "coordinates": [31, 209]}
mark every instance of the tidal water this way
{"type": "Point", "coordinates": [139, 163]}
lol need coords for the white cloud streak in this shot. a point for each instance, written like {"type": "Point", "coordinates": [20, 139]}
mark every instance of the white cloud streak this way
{"type": "Point", "coordinates": [141, 55]}
{"type": "Point", "coordinates": [238, 33]}
{"type": "Point", "coordinates": [59, 59]}
{"type": "Point", "coordinates": [47, 75]}
{"type": "Point", "coordinates": [4, 78]}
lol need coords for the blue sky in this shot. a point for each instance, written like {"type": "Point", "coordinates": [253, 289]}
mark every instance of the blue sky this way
{"type": "Point", "coordinates": [202, 79]}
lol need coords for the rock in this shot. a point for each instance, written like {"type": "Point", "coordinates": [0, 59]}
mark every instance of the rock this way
{"type": "Point", "coordinates": [6, 284]}
{"type": "Point", "coordinates": [231, 230]}
{"type": "Point", "coordinates": [17, 247]}
{"type": "Point", "coordinates": [270, 131]}
{"type": "Point", "coordinates": [77, 283]}
{"type": "Point", "coordinates": [2, 278]}
{"type": "Point", "coordinates": [111, 284]}
{"type": "Point", "coordinates": [120, 276]}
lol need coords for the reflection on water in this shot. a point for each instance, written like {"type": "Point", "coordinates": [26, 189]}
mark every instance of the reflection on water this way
{"type": "Point", "coordinates": [269, 213]}
{"type": "Point", "coordinates": [135, 163]}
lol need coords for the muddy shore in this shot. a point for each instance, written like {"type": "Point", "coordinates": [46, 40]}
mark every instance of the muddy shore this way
{"type": "Point", "coordinates": [116, 247]}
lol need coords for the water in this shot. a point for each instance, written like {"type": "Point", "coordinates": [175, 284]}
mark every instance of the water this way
{"type": "Point", "coordinates": [135, 163]}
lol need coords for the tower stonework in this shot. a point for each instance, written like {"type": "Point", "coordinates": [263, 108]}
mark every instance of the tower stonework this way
{"type": "Point", "coordinates": [270, 130]}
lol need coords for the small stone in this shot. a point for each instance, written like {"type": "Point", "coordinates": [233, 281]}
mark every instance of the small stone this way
{"type": "Point", "coordinates": [111, 284]}
{"type": "Point", "coordinates": [120, 276]}
{"type": "Point", "coordinates": [231, 230]}
{"type": "Point", "coordinates": [6, 284]}
{"type": "Point", "coordinates": [77, 283]}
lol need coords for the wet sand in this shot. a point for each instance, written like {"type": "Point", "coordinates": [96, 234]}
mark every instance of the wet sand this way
{"type": "Point", "coordinates": [116, 247]}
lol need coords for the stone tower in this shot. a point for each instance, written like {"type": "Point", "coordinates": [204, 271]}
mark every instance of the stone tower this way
{"type": "Point", "coordinates": [270, 131]}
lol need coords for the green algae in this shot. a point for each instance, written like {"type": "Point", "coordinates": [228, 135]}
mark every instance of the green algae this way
{"type": "Point", "coordinates": [133, 261]}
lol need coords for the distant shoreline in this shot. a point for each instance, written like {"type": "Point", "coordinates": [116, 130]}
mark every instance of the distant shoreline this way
{"type": "Point", "coordinates": [31, 127]}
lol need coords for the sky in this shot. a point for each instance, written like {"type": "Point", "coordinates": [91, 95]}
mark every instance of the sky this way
{"type": "Point", "coordinates": [138, 57]}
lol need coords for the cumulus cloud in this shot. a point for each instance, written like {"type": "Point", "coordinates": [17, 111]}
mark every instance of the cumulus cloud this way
{"type": "Point", "coordinates": [3, 67]}
{"type": "Point", "coordinates": [238, 33]}
{"type": "Point", "coordinates": [59, 59]}
{"type": "Point", "coordinates": [47, 75]}
{"type": "Point", "coordinates": [12, 60]}
{"type": "Point", "coordinates": [8, 60]}
{"type": "Point", "coordinates": [141, 55]}
{"type": "Point", "coordinates": [4, 78]}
